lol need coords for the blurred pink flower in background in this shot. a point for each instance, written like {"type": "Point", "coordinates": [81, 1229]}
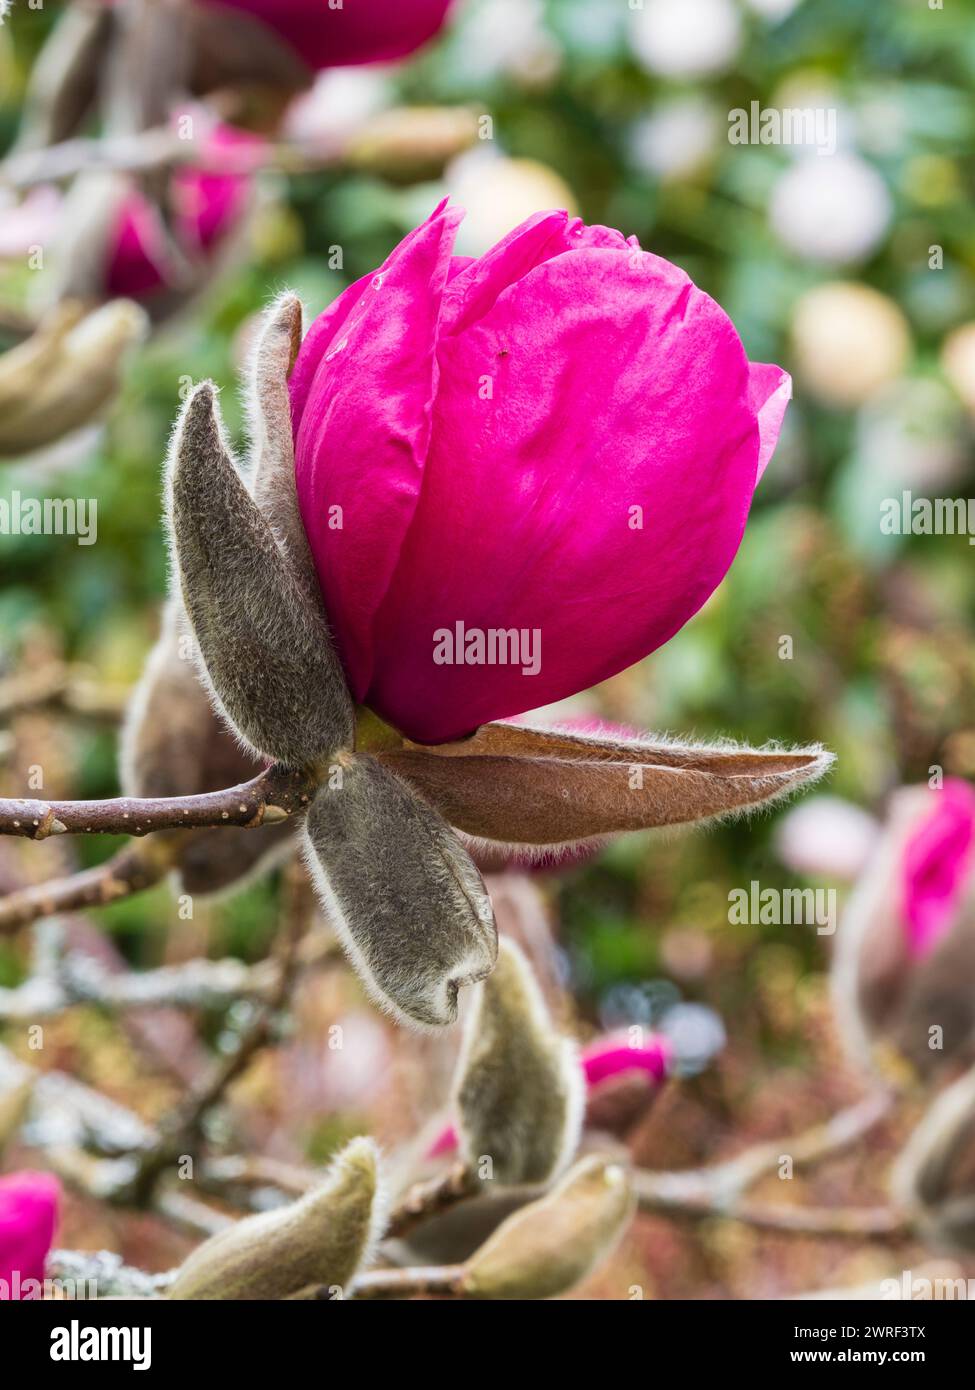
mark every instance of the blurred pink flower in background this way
{"type": "Point", "coordinates": [610, 1057]}
{"type": "Point", "coordinates": [360, 31]}
{"type": "Point", "coordinates": [208, 206]}
{"type": "Point", "coordinates": [936, 865]}
{"type": "Point", "coordinates": [28, 1212]}
{"type": "Point", "coordinates": [904, 967]}
{"type": "Point", "coordinates": [562, 437]}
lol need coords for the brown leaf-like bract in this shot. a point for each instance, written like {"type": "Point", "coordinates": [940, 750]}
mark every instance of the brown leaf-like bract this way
{"type": "Point", "coordinates": [537, 787]}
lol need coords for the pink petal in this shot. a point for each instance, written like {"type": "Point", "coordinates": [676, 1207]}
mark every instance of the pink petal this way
{"type": "Point", "coordinates": [616, 384]}
{"type": "Point", "coordinates": [362, 411]}
{"type": "Point", "coordinates": [536, 240]}
{"type": "Point", "coordinates": [28, 1212]}
{"type": "Point", "coordinates": [936, 865]}
{"type": "Point", "coordinates": [769, 393]}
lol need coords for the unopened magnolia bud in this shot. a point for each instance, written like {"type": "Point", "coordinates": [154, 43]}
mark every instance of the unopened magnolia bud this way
{"type": "Point", "coordinates": [905, 945]}
{"type": "Point", "coordinates": [63, 376]}
{"type": "Point", "coordinates": [174, 744]}
{"type": "Point", "coordinates": [401, 891]}
{"type": "Point", "coordinates": [265, 645]}
{"type": "Point", "coordinates": [520, 1088]}
{"type": "Point", "coordinates": [323, 1239]}
{"type": "Point", "coordinates": [549, 1246]}
{"type": "Point", "coordinates": [934, 1180]}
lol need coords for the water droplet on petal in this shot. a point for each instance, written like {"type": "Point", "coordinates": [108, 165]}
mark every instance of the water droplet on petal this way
{"type": "Point", "coordinates": [334, 352]}
{"type": "Point", "coordinates": [377, 282]}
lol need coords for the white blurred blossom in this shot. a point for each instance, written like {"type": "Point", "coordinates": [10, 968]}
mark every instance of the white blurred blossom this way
{"type": "Point", "coordinates": [826, 837]}
{"type": "Point", "coordinates": [509, 38]}
{"type": "Point", "coordinates": [834, 210]}
{"type": "Point", "coordinates": [675, 139]}
{"type": "Point", "coordinates": [686, 38]}
{"type": "Point", "coordinates": [696, 1035]}
{"type": "Point", "coordinates": [909, 435]}
{"type": "Point", "coordinates": [338, 103]}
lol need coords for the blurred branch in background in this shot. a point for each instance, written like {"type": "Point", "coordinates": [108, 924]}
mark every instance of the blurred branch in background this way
{"type": "Point", "coordinates": [406, 143]}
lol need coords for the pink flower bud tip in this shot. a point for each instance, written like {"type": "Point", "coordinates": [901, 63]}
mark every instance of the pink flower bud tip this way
{"type": "Point", "coordinates": [936, 865]}
{"type": "Point", "coordinates": [28, 1212]}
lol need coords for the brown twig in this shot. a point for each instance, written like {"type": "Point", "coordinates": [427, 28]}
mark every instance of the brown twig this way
{"type": "Point", "coordinates": [718, 1190]}
{"type": "Point", "coordinates": [667, 1193]}
{"type": "Point", "coordinates": [270, 797]}
{"type": "Point", "coordinates": [426, 1199]}
{"type": "Point", "coordinates": [159, 148]}
{"type": "Point", "coordinates": [724, 1182]}
{"type": "Point", "coordinates": [82, 979]}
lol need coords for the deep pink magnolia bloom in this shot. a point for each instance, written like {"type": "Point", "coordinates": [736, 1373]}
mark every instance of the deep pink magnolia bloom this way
{"type": "Point", "coordinates": [561, 437]}
{"type": "Point", "coordinates": [936, 864]}
{"type": "Point", "coordinates": [28, 1211]}
{"type": "Point", "coordinates": [361, 31]}
{"type": "Point", "coordinates": [208, 206]}
{"type": "Point", "coordinates": [604, 1059]}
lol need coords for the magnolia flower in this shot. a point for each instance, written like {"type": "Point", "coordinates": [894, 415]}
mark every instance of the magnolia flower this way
{"type": "Point", "coordinates": [116, 240]}
{"type": "Point", "coordinates": [360, 31]}
{"type": "Point", "coordinates": [273, 43]}
{"type": "Point", "coordinates": [498, 193]}
{"type": "Point", "coordinates": [904, 972]}
{"type": "Point", "coordinates": [28, 1212]}
{"type": "Point", "coordinates": [392, 499]}
{"type": "Point", "coordinates": [612, 433]}
{"type": "Point", "coordinates": [145, 259]}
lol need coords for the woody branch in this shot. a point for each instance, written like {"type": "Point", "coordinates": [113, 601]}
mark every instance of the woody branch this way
{"type": "Point", "coordinates": [266, 799]}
